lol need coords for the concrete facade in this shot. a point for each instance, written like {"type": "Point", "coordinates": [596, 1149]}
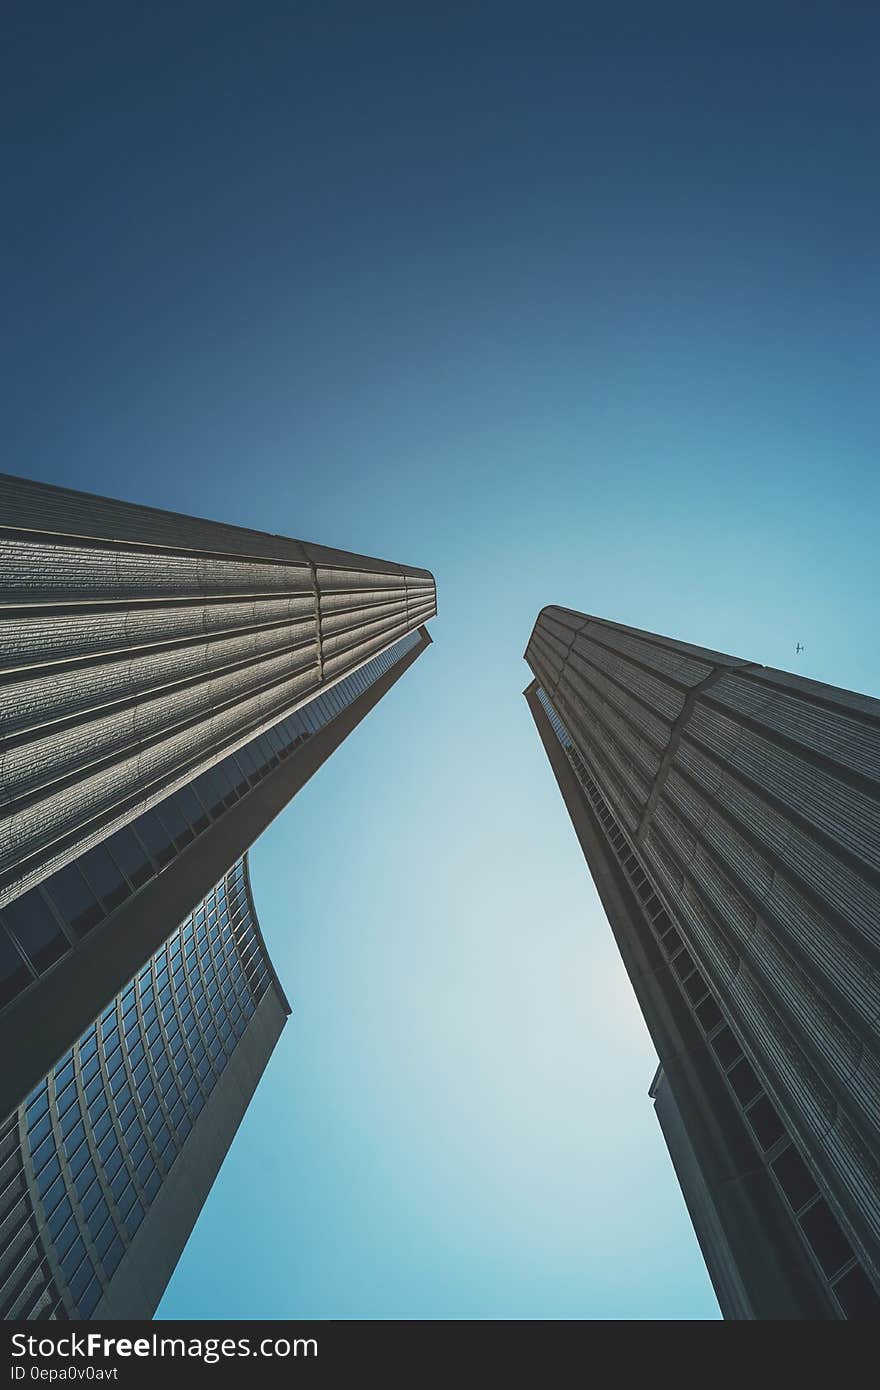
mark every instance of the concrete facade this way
{"type": "Point", "coordinates": [141, 653]}
{"type": "Point", "coordinates": [743, 805]}
{"type": "Point", "coordinates": [137, 647]}
{"type": "Point", "coordinates": [167, 685]}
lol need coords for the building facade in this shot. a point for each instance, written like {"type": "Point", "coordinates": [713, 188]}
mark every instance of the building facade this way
{"type": "Point", "coordinates": [730, 817]}
{"type": "Point", "coordinates": [166, 686]}
{"type": "Point", "coordinates": [107, 1163]}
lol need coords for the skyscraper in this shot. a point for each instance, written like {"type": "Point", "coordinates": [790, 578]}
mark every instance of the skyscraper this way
{"type": "Point", "coordinates": [168, 684]}
{"type": "Point", "coordinates": [730, 817]}
{"type": "Point", "coordinates": [106, 1165]}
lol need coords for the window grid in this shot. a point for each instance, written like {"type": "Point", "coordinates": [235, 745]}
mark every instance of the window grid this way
{"type": "Point", "coordinates": [44, 925]}
{"type": "Point", "coordinates": [104, 1128]}
{"type": "Point", "coordinates": [829, 1249]}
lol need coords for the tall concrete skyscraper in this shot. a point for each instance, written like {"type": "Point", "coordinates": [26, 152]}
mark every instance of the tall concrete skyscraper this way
{"type": "Point", "coordinates": [166, 686]}
{"type": "Point", "coordinates": [730, 817]}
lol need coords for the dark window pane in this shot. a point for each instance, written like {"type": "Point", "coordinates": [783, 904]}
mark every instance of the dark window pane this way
{"type": "Point", "coordinates": [104, 876]}
{"type": "Point", "coordinates": [175, 821]}
{"type": "Point", "coordinates": [858, 1297]}
{"type": "Point", "coordinates": [726, 1047]}
{"type": "Point", "coordinates": [48, 1174]}
{"type": "Point", "coordinates": [90, 1299]}
{"type": "Point", "coordinates": [263, 754]}
{"type": "Point", "coordinates": [248, 762]}
{"type": "Point", "coordinates": [192, 808]}
{"type": "Point", "coordinates": [73, 1257]}
{"type": "Point", "coordinates": [237, 775]}
{"type": "Point", "coordinates": [765, 1122]}
{"type": "Point", "coordinates": [74, 899]}
{"type": "Point", "coordinates": [227, 782]}
{"type": "Point", "coordinates": [671, 941]}
{"type": "Point", "coordinates": [794, 1177]}
{"type": "Point", "coordinates": [830, 1245]}
{"type": "Point", "coordinates": [14, 974]}
{"type": "Point", "coordinates": [210, 792]}
{"type": "Point", "coordinates": [63, 1073]}
{"type": "Point", "coordinates": [683, 964]}
{"type": "Point", "coordinates": [156, 838]}
{"type": "Point", "coordinates": [744, 1082]}
{"type": "Point", "coordinates": [695, 987]}
{"type": "Point", "coordinates": [708, 1013]}
{"type": "Point", "coordinates": [58, 1218]}
{"type": "Point", "coordinates": [130, 856]}
{"type": "Point", "coordinates": [35, 929]}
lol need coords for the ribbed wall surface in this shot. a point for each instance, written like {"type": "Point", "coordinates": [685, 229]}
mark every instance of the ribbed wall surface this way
{"type": "Point", "coordinates": [753, 800]}
{"type": "Point", "coordinates": [137, 647]}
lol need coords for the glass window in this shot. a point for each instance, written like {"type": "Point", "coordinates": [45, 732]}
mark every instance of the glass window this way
{"type": "Point", "coordinates": [14, 974]}
{"type": "Point", "coordinates": [857, 1297]}
{"type": "Point", "coordinates": [106, 1233]}
{"type": "Point", "coordinates": [156, 838]}
{"type": "Point", "coordinates": [120, 1181]}
{"type": "Point", "coordinates": [726, 1047]}
{"type": "Point", "coordinates": [34, 927]}
{"type": "Point", "coordinates": [94, 1090]}
{"type": "Point", "coordinates": [107, 1146]}
{"type": "Point", "coordinates": [74, 899]}
{"type": "Point", "coordinates": [58, 1218]}
{"type": "Point", "coordinates": [794, 1177]}
{"type": "Point", "coordinates": [39, 1130]}
{"type": "Point", "coordinates": [134, 1219]}
{"type": "Point", "coordinates": [90, 1068]}
{"type": "Point", "coordinates": [152, 1185]}
{"type": "Point", "coordinates": [54, 1195]}
{"type": "Point", "coordinates": [87, 1187]}
{"type": "Point", "coordinates": [70, 1118]}
{"type": "Point", "coordinates": [113, 1165]}
{"type": "Point", "coordinates": [211, 792]}
{"type": "Point", "coordinates": [75, 1138]}
{"type": "Point", "coordinates": [66, 1098]}
{"type": "Point", "coordinates": [237, 775]}
{"type": "Point", "coordinates": [226, 783]}
{"type": "Point", "coordinates": [79, 1159]}
{"type": "Point", "coordinates": [830, 1245]}
{"type": "Point", "coordinates": [42, 1153]}
{"type": "Point", "coordinates": [192, 808]}
{"type": "Point", "coordinates": [73, 1257]}
{"type": "Point", "coordinates": [113, 1256]}
{"type": "Point", "coordinates": [131, 857]}
{"type": "Point", "coordinates": [102, 1127]}
{"type": "Point", "coordinates": [90, 1299]}
{"type": "Point", "coordinates": [173, 818]}
{"type": "Point", "coordinates": [744, 1082]}
{"type": "Point", "coordinates": [104, 876]}
{"type": "Point", "coordinates": [248, 762]}
{"type": "Point", "coordinates": [38, 1101]}
{"type": "Point", "coordinates": [97, 1217]}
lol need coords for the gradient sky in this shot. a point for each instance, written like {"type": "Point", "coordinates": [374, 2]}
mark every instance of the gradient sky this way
{"type": "Point", "coordinates": [568, 303]}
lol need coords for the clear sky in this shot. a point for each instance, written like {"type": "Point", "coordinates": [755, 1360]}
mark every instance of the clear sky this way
{"type": "Point", "coordinates": [568, 303]}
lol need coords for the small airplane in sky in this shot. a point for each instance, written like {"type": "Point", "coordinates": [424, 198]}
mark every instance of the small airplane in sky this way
{"type": "Point", "coordinates": [799, 648]}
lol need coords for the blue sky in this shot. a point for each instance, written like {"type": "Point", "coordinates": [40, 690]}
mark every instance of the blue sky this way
{"type": "Point", "coordinates": [568, 303]}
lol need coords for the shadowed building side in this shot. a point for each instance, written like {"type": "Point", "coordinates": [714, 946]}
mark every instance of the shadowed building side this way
{"type": "Point", "coordinates": [729, 815]}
